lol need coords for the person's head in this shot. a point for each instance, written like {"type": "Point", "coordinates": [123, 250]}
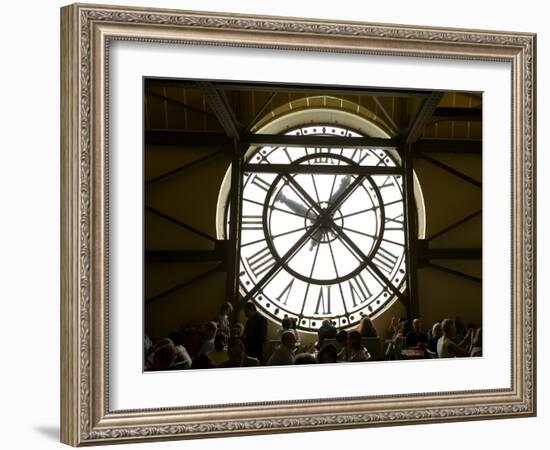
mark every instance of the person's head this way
{"type": "Point", "coordinates": [164, 356]}
{"type": "Point", "coordinates": [237, 330]}
{"type": "Point", "coordinates": [210, 329]}
{"type": "Point", "coordinates": [175, 337]}
{"type": "Point", "coordinates": [250, 310]}
{"type": "Point", "coordinates": [235, 350]}
{"type": "Point", "coordinates": [286, 323]}
{"type": "Point", "coordinates": [288, 340]}
{"type": "Point", "coordinates": [226, 309]}
{"type": "Point", "coordinates": [305, 358]}
{"type": "Point", "coordinates": [328, 354]}
{"type": "Point", "coordinates": [326, 323]}
{"type": "Point", "coordinates": [448, 328]}
{"type": "Point", "coordinates": [366, 327]}
{"type": "Point", "coordinates": [354, 340]}
{"type": "Point", "coordinates": [219, 341]}
{"type": "Point", "coordinates": [417, 325]}
{"type": "Point", "coordinates": [437, 332]}
{"type": "Point", "coordinates": [342, 337]}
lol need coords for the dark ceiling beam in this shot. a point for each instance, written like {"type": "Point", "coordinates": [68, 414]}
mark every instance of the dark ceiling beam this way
{"type": "Point", "coordinates": [451, 170]}
{"type": "Point", "coordinates": [386, 115]}
{"type": "Point", "coordinates": [295, 88]}
{"type": "Point", "coordinates": [261, 111]}
{"type": "Point", "coordinates": [454, 225]}
{"type": "Point", "coordinates": [447, 146]}
{"type": "Point", "coordinates": [422, 117]}
{"type": "Point", "coordinates": [454, 272]}
{"type": "Point", "coordinates": [284, 140]}
{"type": "Point", "coordinates": [216, 268]}
{"type": "Point", "coordinates": [180, 223]}
{"type": "Point", "coordinates": [184, 167]}
{"type": "Point", "coordinates": [219, 103]}
{"type": "Point", "coordinates": [183, 138]}
{"type": "Point", "coordinates": [323, 169]}
{"type": "Point", "coordinates": [457, 115]}
{"type": "Point", "coordinates": [180, 103]}
{"type": "Point", "coordinates": [187, 138]}
{"type": "Point", "coordinates": [187, 256]}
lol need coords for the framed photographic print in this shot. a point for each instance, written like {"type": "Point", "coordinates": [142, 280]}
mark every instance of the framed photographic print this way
{"type": "Point", "coordinates": [285, 224]}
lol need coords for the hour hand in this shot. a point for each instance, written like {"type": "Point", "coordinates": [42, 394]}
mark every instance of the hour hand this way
{"type": "Point", "coordinates": [292, 205]}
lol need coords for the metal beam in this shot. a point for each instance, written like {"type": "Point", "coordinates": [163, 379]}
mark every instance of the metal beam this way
{"type": "Point", "coordinates": [180, 103]}
{"type": "Point", "coordinates": [183, 167]}
{"type": "Point", "coordinates": [457, 115]}
{"type": "Point", "coordinates": [180, 223]}
{"type": "Point", "coordinates": [184, 284]}
{"type": "Point", "coordinates": [454, 272]}
{"type": "Point", "coordinates": [295, 88]}
{"type": "Point", "coordinates": [186, 138]}
{"type": "Point", "coordinates": [261, 110]}
{"type": "Point", "coordinates": [454, 225]}
{"type": "Point", "coordinates": [422, 117]}
{"type": "Point", "coordinates": [447, 146]}
{"type": "Point", "coordinates": [315, 140]}
{"type": "Point", "coordinates": [323, 169]}
{"type": "Point", "coordinates": [234, 244]}
{"type": "Point", "coordinates": [187, 256]}
{"type": "Point", "coordinates": [220, 105]}
{"type": "Point", "coordinates": [386, 115]}
{"type": "Point", "coordinates": [411, 235]}
{"type": "Point", "coordinates": [451, 170]}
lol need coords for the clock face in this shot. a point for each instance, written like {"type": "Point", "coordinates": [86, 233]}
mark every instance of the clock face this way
{"type": "Point", "coordinates": [322, 231]}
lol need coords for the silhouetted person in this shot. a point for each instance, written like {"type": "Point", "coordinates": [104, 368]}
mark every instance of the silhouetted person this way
{"type": "Point", "coordinates": [284, 355]}
{"type": "Point", "coordinates": [416, 336]}
{"type": "Point", "coordinates": [255, 331]}
{"type": "Point", "coordinates": [326, 331]}
{"type": "Point", "coordinates": [366, 328]}
{"type": "Point", "coordinates": [237, 355]}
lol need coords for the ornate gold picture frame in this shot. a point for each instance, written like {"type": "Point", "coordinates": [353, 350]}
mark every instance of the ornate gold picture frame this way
{"type": "Point", "coordinates": [87, 32]}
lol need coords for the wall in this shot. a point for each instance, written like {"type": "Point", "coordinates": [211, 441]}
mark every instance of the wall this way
{"type": "Point", "coordinates": [29, 231]}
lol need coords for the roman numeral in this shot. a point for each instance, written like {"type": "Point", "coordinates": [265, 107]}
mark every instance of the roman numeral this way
{"type": "Point", "coordinates": [394, 223]}
{"type": "Point", "coordinates": [361, 153]}
{"type": "Point", "coordinates": [387, 183]}
{"type": "Point", "coordinates": [323, 300]}
{"type": "Point", "coordinates": [286, 292]}
{"type": "Point", "coordinates": [261, 183]}
{"type": "Point", "coordinates": [251, 222]}
{"type": "Point", "coordinates": [261, 261]}
{"type": "Point", "coordinates": [359, 290]}
{"type": "Point", "coordinates": [385, 260]}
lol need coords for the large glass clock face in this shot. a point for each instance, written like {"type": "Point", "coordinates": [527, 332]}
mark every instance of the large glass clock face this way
{"type": "Point", "coordinates": [322, 231]}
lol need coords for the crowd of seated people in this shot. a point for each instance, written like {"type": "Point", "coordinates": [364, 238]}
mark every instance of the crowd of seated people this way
{"type": "Point", "coordinates": [447, 338]}
{"type": "Point", "coordinates": [220, 343]}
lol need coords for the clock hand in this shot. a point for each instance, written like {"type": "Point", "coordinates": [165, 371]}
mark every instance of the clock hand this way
{"type": "Point", "coordinates": [295, 206]}
{"type": "Point", "coordinates": [302, 210]}
{"type": "Point", "coordinates": [344, 183]}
